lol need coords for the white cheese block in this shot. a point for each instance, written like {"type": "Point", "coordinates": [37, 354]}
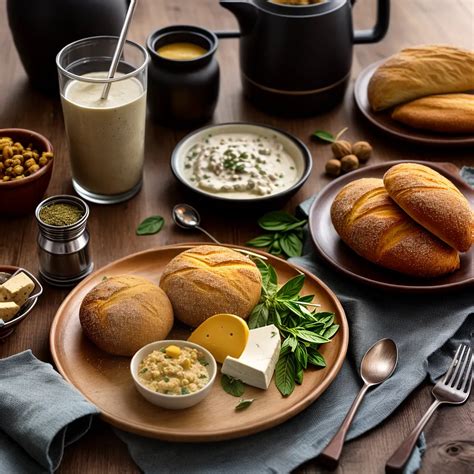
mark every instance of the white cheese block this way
{"type": "Point", "coordinates": [257, 363]}
{"type": "Point", "coordinates": [17, 289]}
{"type": "Point", "coordinates": [8, 310]}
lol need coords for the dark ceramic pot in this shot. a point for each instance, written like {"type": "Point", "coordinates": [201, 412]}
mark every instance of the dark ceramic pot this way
{"type": "Point", "coordinates": [182, 93]}
{"type": "Point", "coordinates": [41, 29]}
{"type": "Point", "coordinates": [297, 60]}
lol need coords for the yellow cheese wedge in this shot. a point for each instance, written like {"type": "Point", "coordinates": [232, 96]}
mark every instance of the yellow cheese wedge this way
{"type": "Point", "coordinates": [222, 335]}
{"type": "Point", "coordinates": [8, 310]}
{"type": "Point", "coordinates": [17, 289]}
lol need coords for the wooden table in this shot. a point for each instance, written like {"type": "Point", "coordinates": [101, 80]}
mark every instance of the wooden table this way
{"type": "Point", "coordinates": [449, 435]}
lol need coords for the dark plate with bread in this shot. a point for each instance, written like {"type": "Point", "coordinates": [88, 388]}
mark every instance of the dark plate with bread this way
{"type": "Point", "coordinates": [377, 221]}
{"type": "Point", "coordinates": [415, 113]}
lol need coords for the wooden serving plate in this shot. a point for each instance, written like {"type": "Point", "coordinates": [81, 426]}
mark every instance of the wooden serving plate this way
{"type": "Point", "coordinates": [105, 380]}
{"type": "Point", "coordinates": [384, 121]}
{"type": "Point", "coordinates": [344, 259]}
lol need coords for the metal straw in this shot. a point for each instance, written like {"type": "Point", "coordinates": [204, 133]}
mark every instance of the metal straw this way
{"type": "Point", "coordinates": [119, 48]}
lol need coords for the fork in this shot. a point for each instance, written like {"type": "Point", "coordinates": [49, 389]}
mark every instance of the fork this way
{"type": "Point", "coordinates": [453, 388]}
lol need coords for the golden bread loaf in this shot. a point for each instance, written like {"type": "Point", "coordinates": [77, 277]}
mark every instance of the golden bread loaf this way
{"type": "Point", "coordinates": [123, 313]}
{"type": "Point", "coordinates": [420, 71]}
{"type": "Point", "coordinates": [432, 201]}
{"type": "Point", "coordinates": [209, 279]}
{"type": "Point", "coordinates": [377, 229]}
{"type": "Point", "coordinates": [448, 113]}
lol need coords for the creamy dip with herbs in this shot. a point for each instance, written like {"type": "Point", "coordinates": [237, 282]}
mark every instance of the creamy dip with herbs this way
{"type": "Point", "coordinates": [243, 165]}
{"type": "Point", "coordinates": [174, 371]}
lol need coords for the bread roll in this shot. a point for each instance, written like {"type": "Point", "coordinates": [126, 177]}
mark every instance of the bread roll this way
{"type": "Point", "coordinates": [421, 71]}
{"type": "Point", "coordinates": [448, 113]}
{"type": "Point", "coordinates": [123, 313]}
{"type": "Point", "coordinates": [432, 201]}
{"type": "Point", "coordinates": [209, 279]}
{"type": "Point", "coordinates": [377, 229]}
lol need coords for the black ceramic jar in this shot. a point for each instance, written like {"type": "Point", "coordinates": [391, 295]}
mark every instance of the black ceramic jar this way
{"type": "Point", "coordinates": [182, 92]}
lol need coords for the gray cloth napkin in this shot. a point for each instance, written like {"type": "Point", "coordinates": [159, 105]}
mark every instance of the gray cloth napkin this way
{"type": "Point", "coordinates": [426, 328]}
{"type": "Point", "coordinates": [40, 414]}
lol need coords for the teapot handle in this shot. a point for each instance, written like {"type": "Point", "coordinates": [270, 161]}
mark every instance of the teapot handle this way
{"type": "Point", "coordinates": [380, 28]}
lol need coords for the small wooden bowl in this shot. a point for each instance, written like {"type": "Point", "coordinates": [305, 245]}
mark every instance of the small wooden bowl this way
{"type": "Point", "coordinates": [7, 328]}
{"type": "Point", "coordinates": [21, 196]}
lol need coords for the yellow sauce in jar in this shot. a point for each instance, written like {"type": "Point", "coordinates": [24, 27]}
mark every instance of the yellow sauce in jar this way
{"type": "Point", "coordinates": [181, 51]}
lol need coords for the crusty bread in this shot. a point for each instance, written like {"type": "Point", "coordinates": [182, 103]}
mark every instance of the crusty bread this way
{"type": "Point", "coordinates": [124, 313]}
{"type": "Point", "coordinates": [432, 201]}
{"type": "Point", "coordinates": [377, 229]}
{"type": "Point", "coordinates": [209, 279]}
{"type": "Point", "coordinates": [420, 71]}
{"type": "Point", "coordinates": [448, 113]}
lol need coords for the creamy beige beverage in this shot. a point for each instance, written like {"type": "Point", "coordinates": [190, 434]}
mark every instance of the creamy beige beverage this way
{"type": "Point", "coordinates": [106, 137]}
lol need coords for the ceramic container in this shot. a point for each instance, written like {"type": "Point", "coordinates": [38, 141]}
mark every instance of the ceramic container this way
{"type": "Point", "coordinates": [182, 93]}
{"type": "Point", "coordinates": [173, 402]}
{"type": "Point", "coordinates": [20, 197]}
{"type": "Point", "coordinates": [296, 59]}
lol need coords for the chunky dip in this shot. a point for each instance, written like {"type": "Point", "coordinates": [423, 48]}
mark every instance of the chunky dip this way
{"type": "Point", "coordinates": [174, 371]}
{"type": "Point", "coordinates": [243, 165]}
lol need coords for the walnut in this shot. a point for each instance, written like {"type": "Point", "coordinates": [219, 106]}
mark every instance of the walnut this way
{"type": "Point", "coordinates": [362, 150]}
{"type": "Point", "coordinates": [333, 167]}
{"type": "Point", "coordinates": [349, 163]}
{"type": "Point", "coordinates": [341, 148]}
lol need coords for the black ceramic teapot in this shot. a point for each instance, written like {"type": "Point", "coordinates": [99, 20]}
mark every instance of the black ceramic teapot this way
{"type": "Point", "coordinates": [296, 59]}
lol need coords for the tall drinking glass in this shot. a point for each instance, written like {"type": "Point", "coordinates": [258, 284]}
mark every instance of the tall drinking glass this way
{"type": "Point", "coordinates": [106, 136]}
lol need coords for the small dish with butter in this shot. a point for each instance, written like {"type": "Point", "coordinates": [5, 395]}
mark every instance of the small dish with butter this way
{"type": "Point", "coordinates": [173, 374]}
{"type": "Point", "coordinates": [241, 162]}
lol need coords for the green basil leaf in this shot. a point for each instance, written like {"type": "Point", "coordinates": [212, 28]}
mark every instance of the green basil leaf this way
{"type": "Point", "coordinates": [291, 288]}
{"type": "Point", "coordinates": [275, 248]}
{"type": "Point", "coordinates": [324, 136]}
{"type": "Point", "coordinates": [261, 241]}
{"type": "Point", "coordinates": [315, 358]}
{"type": "Point", "coordinates": [285, 374]}
{"type": "Point", "coordinates": [290, 342]}
{"type": "Point", "coordinates": [151, 225]}
{"type": "Point", "coordinates": [311, 337]}
{"type": "Point", "coordinates": [299, 376]}
{"type": "Point", "coordinates": [276, 220]}
{"type": "Point", "coordinates": [324, 316]}
{"type": "Point", "coordinates": [243, 404]}
{"type": "Point", "coordinates": [291, 244]}
{"type": "Point", "coordinates": [258, 316]}
{"type": "Point", "coordinates": [232, 386]}
{"type": "Point", "coordinates": [331, 331]}
{"type": "Point", "coordinates": [301, 356]}
{"type": "Point", "coordinates": [306, 298]}
{"type": "Point", "coordinates": [296, 225]}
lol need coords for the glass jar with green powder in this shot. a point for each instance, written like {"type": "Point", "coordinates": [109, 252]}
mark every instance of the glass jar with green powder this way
{"type": "Point", "coordinates": [63, 240]}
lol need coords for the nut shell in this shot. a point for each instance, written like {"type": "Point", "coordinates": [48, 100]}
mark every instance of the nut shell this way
{"type": "Point", "coordinates": [349, 163]}
{"type": "Point", "coordinates": [362, 150]}
{"type": "Point", "coordinates": [341, 148]}
{"type": "Point", "coordinates": [333, 167]}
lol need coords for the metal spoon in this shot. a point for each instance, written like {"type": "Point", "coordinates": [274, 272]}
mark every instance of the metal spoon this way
{"type": "Point", "coordinates": [119, 48]}
{"type": "Point", "coordinates": [186, 217]}
{"type": "Point", "coordinates": [378, 365]}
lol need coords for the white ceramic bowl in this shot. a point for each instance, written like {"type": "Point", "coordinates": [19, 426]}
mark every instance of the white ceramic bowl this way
{"type": "Point", "coordinates": [293, 146]}
{"type": "Point", "coordinates": [173, 402]}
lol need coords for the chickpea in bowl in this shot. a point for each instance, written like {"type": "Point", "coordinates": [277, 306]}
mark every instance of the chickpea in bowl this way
{"type": "Point", "coordinates": [173, 374]}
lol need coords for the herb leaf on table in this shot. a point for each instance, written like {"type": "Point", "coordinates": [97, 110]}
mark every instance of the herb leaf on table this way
{"type": "Point", "coordinates": [151, 225]}
{"type": "Point", "coordinates": [284, 234]}
{"type": "Point", "coordinates": [301, 327]}
{"type": "Point", "coordinates": [243, 404]}
{"type": "Point", "coordinates": [232, 386]}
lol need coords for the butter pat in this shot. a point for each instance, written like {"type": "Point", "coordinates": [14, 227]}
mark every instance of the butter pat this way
{"type": "Point", "coordinates": [257, 363]}
{"type": "Point", "coordinates": [8, 310]}
{"type": "Point", "coordinates": [17, 289]}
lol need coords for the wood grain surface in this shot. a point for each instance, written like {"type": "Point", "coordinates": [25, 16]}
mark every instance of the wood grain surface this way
{"type": "Point", "coordinates": [449, 434]}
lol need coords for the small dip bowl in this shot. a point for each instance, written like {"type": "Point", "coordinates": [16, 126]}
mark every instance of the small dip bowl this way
{"type": "Point", "coordinates": [7, 328]}
{"type": "Point", "coordinates": [173, 402]}
{"type": "Point", "coordinates": [293, 146]}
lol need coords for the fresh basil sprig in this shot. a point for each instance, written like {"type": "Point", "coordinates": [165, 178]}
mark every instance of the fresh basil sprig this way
{"type": "Point", "coordinates": [232, 386]}
{"type": "Point", "coordinates": [151, 225]}
{"type": "Point", "coordinates": [301, 327]}
{"type": "Point", "coordinates": [243, 404]}
{"type": "Point", "coordinates": [286, 237]}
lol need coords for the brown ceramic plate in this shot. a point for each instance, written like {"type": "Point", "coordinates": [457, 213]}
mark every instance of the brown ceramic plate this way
{"type": "Point", "coordinates": [384, 121]}
{"type": "Point", "coordinates": [105, 380]}
{"type": "Point", "coordinates": [344, 259]}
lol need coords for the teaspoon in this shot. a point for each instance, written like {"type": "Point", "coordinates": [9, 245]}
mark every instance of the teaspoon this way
{"type": "Point", "coordinates": [378, 365]}
{"type": "Point", "coordinates": [186, 217]}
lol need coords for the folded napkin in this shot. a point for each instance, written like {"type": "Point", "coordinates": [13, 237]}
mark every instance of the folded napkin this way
{"type": "Point", "coordinates": [426, 329]}
{"type": "Point", "coordinates": [40, 414]}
